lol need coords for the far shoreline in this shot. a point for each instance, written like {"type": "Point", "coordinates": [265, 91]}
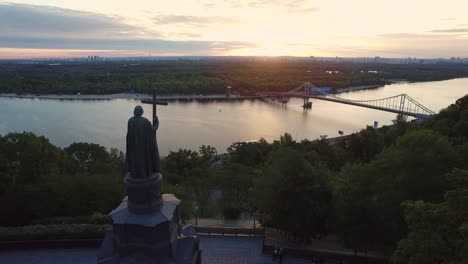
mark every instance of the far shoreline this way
{"type": "Point", "coordinates": [184, 97]}
{"type": "Point", "coordinates": [126, 96]}
{"type": "Point", "coordinates": [173, 97]}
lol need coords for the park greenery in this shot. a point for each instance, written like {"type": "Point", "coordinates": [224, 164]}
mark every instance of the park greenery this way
{"type": "Point", "coordinates": [400, 189]}
{"type": "Point", "coordinates": [208, 76]}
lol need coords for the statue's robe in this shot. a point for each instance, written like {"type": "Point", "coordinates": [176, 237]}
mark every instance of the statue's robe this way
{"type": "Point", "coordinates": [142, 150]}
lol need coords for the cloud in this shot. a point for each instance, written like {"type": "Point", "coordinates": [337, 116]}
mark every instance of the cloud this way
{"type": "Point", "coordinates": [43, 27]}
{"type": "Point", "coordinates": [193, 20]}
{"type": "Point", "coordinates": [451, 30]}
{"type": "Point", "coordinates": [292, 6]}
{"type": "Point", "coordinates": [308, 10]}
{"type": "Point", "coordinates": [264, 3]}
{"type": "Point", "coordinates": [411, 36]}
{"type": "Point", "coordinates": [293, 3]}
{"type": "Point", "coordinates": [208, 4]}
{"type": "Point", "coordinates": [189, 35]}
{"type": "Point", "coordinates": [34, 20]}
{"type": "Point", "coordinates": [423, 45]}
{"type": "Point", "coordinates": [424, 36]}
{"type": "Point", "coordinates": [399, 45]}
{"type": "Point", "coordinates": [156, 46]}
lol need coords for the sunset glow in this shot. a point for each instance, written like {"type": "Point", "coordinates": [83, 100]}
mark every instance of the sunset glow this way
{"type": "Point", "coordinates": [54, 28]}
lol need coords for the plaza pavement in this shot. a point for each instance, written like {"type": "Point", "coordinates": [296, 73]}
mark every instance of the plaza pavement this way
{"type": "Point", "coordinates": [215, 250]}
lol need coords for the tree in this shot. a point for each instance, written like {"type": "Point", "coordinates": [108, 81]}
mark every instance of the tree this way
{"type": "Point", "coordinates": [438, 233]}
{"type": "Point", "coordinates": [412, 168]}
{"type": "Point", "coordinates": [207, 154]}
{"type": "Point", "coordinates": [197, 187]}
{"type": "Point", "coordinates": [461, 127]}
{"type": "Point", "coordinates": [355, 209]}
{"type": "Point", "coordinates": [400, 120]}
{"type": "Point", "coordinates": [293, 195]}
{"type": "Point", "coordinates": [235, 181]}
{"type": "Point", "coordinates": [178, 164]}
{"type": "Point", "coordinates": [117, 160]}
{"type": "Point", "coordinates": [249, 153]}
{"type": "Point", "coordinates": [366, 144]}
{"type": "Point", "coordinates": [426, 241]}
{"type": "Point", "coordinates": [27, 158]}
{"type": "Point", "coordinates": [88, 157]}
{"type": "Point", "coordinates": [5, 174]}
{"type": "Point", "coordinates": [452, 121]}
{"type": "Point", "coordinates": [334, 156]}
{"type": "Point", "coordinates": [286, 140]}
{"type": "Point", "coordinates": [368, 196]}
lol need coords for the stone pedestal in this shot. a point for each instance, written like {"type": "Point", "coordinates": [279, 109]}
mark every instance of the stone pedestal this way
{"type": "Point", "coordinates": [144, 195]}
{"type": "Point", "coordinates": [147, 228]}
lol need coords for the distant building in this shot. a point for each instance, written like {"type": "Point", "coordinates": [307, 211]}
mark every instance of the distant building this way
{"type": "Point", "coordinates": [93, 58]}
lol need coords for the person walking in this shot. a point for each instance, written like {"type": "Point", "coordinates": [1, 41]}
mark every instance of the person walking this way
{"type": "Point", "coordinates": [280, 253]}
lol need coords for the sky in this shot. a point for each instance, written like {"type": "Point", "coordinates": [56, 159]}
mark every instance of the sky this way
{"type": "Point", "coordinates": [345, 28]}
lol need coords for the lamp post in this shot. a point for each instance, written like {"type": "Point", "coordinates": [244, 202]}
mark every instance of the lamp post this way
{"type": "Point", "coordinates": [254, 222]}
{"type": "Point", "coordinates": [195, 208]}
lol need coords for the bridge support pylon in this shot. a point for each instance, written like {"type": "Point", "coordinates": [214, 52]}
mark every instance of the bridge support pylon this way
{"type": "Point", "coordinates": [307, 104]}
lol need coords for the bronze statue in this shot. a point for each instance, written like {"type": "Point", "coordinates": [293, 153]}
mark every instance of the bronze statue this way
{"type": "Point", "coordinates": [142, 147]}
{"type": "Point", "coordinates": [146, 225]}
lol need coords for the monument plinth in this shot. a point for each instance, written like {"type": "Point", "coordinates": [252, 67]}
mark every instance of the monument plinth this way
{"type": "Point", "coordinates": [155, 237]}
{"type": "Point", "coordinates": [144, 195]}
{"type": "Point", "coordinates": [146, 226]}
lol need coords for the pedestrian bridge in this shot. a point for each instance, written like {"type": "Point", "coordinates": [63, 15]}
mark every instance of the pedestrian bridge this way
{"type": "Point", "coordinates": [400, 104]}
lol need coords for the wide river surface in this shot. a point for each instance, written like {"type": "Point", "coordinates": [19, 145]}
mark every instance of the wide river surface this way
{"type": "Point", "coordinates": [219, 124]}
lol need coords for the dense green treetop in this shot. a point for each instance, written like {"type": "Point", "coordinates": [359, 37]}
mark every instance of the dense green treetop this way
{"type": "Point", "coordinates": [209, 76]}
{"type": "Point", "coordinates": [400, 189]}
{"type": "Point", "coordinates": [438, 232]}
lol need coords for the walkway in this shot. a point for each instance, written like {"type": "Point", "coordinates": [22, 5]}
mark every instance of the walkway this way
{"type": "Point", "coordinates": [216, 250]}
{"type": "Point", "coordinates": [238, 250]}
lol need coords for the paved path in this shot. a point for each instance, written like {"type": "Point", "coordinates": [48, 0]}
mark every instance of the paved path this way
{"type": "Point", "coordinates": [61, 256]}
{"type": "Point", "coordinates": [237, 250]}
{"type": "Point", "coordinates": [216, 250]}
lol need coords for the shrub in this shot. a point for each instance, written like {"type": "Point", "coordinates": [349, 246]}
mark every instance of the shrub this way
{"type": "Point", "coordinates": [96, 218]}
{"type": "Point", "coordinates": [54, 231]}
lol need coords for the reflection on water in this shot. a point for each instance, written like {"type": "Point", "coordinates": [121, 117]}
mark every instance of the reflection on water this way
{"type": "Point", "coordinates": [192, 124]}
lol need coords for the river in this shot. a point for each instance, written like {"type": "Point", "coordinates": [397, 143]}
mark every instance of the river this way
{"type": "Point", "coordinates": [192, 124]}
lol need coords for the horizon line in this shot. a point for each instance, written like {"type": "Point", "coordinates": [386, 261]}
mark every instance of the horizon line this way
{"type": "Point", "coordinates": [235, 56]}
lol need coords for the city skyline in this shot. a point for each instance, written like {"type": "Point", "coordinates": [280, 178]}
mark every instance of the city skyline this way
{"type": "Point", "coordinates": [52, 28]}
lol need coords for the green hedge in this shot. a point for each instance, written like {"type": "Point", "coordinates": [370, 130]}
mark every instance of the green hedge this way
{"type": "Point", "coordinates": [48, 232]}
{"type": "Point", "coordinates": [96, 218]}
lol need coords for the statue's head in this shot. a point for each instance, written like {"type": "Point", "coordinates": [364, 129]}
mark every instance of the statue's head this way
{"type": "Point", "coordinates": [138, 110]}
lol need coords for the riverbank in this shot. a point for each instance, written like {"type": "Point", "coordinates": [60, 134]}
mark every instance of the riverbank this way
{"type": "Point", "coordinates": [126, 96]}
{"type": "Point", "coordinates": [357, 88]}
{"type": "Point", "coordinates": [174, 97]}
{"type": "Point", "coordinates": [187, 97]}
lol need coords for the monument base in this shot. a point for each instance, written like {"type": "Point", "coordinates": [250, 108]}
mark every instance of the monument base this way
{"type": "Point", "coordinates": [152, 237]}
{"type": "Point", "coordinates": [144, 195]}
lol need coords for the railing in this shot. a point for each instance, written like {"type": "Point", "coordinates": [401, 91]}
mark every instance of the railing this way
{"type": "Point", "coordinates": [269, 245]}
{"type": "Point", "coordinates": [230, 231]}
{"type": "Point", "coordinates": [402, 103]}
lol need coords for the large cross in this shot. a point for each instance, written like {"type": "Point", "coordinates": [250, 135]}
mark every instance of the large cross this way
{"type": "Point", "coordinates": [154, 102]}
